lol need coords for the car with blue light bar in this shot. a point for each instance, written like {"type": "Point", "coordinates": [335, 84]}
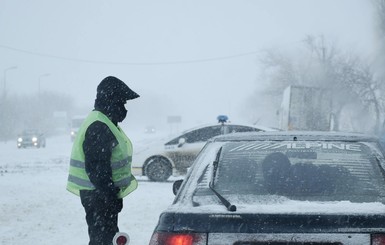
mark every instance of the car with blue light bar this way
{"type": "Point", "coordinates": [31, 138]}
{"type": "Point", "coordinates": [296, 188]}
{"type": "Point", "coordinates": [174, 156]}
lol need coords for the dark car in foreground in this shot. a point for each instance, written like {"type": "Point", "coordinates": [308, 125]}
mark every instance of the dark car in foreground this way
{"type": "Point", "coordinates": [31, 138]}
{"type": "Point", "coordinates": [296, 188]}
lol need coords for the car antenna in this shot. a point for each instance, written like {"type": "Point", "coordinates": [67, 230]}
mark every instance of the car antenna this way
{"type": "Point", "coordinates": [229, 206]}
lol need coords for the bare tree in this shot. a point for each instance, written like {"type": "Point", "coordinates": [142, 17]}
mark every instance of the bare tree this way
{"type": "Point", "coordinates": [379, 60]}
{"type": "Point", "coordinates": [280, 71]}
{"type": "Point", "coordinates": [379, 6]}
{"type": "Point", "coordinates": [357, 78]}
{"type": "Point", "coordinates": [350, 80]}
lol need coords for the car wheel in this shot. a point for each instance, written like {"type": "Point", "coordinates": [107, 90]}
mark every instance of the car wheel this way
{"type": "Point", "coordinates": [158, 169]}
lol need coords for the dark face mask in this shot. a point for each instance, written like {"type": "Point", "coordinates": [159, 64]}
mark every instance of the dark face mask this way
{"type": "Point", "coordinates": [112, 107]}
{"type": "Point", "coordinates": [119, 113]}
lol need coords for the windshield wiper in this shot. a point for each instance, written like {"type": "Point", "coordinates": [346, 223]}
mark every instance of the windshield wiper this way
{"type": "Point", "coordinates": [224, 201]}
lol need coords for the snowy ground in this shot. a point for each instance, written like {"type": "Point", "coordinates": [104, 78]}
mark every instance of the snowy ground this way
{"type": "Point", "coordinates": [35, 207]}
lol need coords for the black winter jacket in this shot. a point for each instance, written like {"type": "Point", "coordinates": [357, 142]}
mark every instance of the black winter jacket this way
{"type": "Point", "coordinates": [98, 145]}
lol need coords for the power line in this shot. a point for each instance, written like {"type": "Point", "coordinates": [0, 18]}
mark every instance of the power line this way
{"type": "Point", "coordinates": [129, 63]}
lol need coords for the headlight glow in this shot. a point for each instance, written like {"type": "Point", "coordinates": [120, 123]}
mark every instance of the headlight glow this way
{"type": "Point", "coordinates": [34, 139]}
{"type": "Point", "coordinates": [19, 139]}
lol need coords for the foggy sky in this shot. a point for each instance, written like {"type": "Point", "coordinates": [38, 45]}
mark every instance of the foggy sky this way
{"type": "Point", "coordinates": [195, 58]}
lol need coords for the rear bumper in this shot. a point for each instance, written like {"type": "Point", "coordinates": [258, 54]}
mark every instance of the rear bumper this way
{"type": "Point", "coordinates": [28, 144]}
{"type": "Point", "coordinates": [278, 229]}
{"type": "Point", "coordinates": [301, 238]}
{"type": "Point", "coordinates": [271, 223]}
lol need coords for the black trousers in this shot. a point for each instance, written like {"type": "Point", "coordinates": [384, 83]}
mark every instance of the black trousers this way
{"type": "Point", "coordinates": [101, 216]}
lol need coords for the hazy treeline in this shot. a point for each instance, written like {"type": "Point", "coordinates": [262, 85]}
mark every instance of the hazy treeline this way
{"type": "Point", "coordinates": [31, 112]}
{"type": "Point", "coordinates": [357, 83]}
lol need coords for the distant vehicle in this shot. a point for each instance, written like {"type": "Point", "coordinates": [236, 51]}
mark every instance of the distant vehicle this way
{"type": "Point", "coordinates": [173, 157]}
{"type": "Point", "coordinates": [60, 122]}
{"type": "Point", "coordinates": [76, 122]}
{"type": "Point", "coordinates": [306, 108]}
{"type": "Point", "coordinates": [297, 188]}
{"type": "Point", "coordinates": [150, 130]}
{"type": "Point", "coordinates": [31, 138]}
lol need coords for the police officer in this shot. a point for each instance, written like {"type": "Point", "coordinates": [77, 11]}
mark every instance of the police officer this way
{"type": "Point", "coordinates": [100, 166]}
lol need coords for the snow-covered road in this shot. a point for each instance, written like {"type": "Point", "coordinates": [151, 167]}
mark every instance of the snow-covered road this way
{"type": "Point", "coordinates": [35, 207]}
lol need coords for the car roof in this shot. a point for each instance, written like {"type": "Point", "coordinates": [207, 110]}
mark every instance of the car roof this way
{"type": "Point", "coordinates": [264, 128]}
{"type": "Point", "coordinates": [299, 135]}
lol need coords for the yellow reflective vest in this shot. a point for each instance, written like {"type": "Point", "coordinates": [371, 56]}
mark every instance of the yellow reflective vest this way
{"type": "Point", "coordinates": [120, 160]}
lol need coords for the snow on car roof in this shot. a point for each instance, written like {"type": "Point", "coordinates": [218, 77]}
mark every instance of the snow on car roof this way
{"type": "Point", "coordinates": [298, 135]}
{"type": "Point", "coordinates": [264, 128]}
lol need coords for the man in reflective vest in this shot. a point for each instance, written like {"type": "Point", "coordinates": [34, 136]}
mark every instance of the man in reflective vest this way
{"type": "Point", "coordinates": [100, 166]}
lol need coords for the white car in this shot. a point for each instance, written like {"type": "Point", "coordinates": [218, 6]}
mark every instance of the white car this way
{"type": "Point", "coordinates": [173, 157]}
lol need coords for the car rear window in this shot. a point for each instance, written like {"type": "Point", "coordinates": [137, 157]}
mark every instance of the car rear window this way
{"type": "Point", "coordinates": [314, 171]}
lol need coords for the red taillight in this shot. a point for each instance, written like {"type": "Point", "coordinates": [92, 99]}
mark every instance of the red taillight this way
{"type": "Point", "coordinates": [164, 238]}
{"type": "Point", "coordinates": [180, 240]}
{"type": "Point", "coordinates": [378, 239]}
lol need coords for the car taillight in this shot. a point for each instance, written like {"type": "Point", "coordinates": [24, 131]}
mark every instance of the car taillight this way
{"type": "Point", "coordinates": [165, 238]}
{"type": "Point", "coordinates": [378, 239]}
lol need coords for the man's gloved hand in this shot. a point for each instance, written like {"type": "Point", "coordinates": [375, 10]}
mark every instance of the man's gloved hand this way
{"type": "Point", "coordinates": [118, 205]}
{"type": "Point", "coordinates": [110, 198]}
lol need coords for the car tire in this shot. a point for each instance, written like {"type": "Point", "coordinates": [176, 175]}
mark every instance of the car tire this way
{"type": "Point", "coordinates": [158, 169]}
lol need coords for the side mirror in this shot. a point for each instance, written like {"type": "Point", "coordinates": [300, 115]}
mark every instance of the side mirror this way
{"type": "Point", "coordinates": [176, 186]}
{"type": "Point", "coordinates": [181, 142]}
